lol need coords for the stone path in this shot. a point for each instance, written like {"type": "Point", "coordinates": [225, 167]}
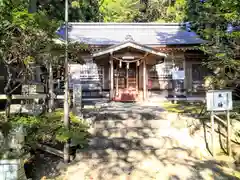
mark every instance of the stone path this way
{"type": "Point", "coordinates": [175, 160]}
{"type": "Point", "coordinates": [139, 142]}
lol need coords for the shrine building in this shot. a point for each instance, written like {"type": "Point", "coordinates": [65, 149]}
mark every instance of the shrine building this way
{"type": "Point", "coordinates": [138, 61]}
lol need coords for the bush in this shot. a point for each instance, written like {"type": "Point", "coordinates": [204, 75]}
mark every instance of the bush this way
{"type": "Point", "coordinates": [49, 128]}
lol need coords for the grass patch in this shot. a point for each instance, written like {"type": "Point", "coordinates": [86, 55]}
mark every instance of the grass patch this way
{"type": "Point", "coordinates": [236, 106]}
{"type": "Point", "coordinates": [230, 172]}
{"type": "Point", "coordinates": [193, 108]}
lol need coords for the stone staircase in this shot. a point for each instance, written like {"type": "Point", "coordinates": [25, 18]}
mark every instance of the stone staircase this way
{"type": "Point", "coordinates": [141, 142]}
{"type": "Point", "coordinates": [128, 127]}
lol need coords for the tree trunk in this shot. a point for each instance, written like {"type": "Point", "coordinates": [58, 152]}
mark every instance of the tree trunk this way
{"type": "Point", "coordinates": [50, 91]}
{"type": "Point", "coordinates": [66, 148]}
{"type": "Point", "coordinates": [7, 90]}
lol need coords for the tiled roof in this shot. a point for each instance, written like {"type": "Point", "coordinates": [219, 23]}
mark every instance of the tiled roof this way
{"type": "Point", "coordinates": [143, 33]}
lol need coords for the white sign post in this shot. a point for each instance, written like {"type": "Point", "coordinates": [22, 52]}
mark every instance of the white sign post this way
{"type": "Point", "coordinates": [217, 101]}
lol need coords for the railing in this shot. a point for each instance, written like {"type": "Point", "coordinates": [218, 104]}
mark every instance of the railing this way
{"type": "Point", "coordinates": [30, 103]}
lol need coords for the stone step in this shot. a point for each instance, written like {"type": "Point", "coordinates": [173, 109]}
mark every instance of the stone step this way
{"type": "Point", "coordinates": [128, 113]}
{"type": "Point", "coordinates": [111, 154]}
{"type": "Point", "coordinates": [128, 132]}
{"type": "Point", "coordinates": [131, 123]}
{"type": "Point", "coordinates": [101, 143]}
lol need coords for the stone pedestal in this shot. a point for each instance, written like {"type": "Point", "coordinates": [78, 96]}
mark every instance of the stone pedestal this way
{"type": "Point", "coordinates": [12, 169]}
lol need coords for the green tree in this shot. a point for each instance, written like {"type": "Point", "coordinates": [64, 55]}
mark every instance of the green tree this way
{"type": "Point", "coordinates": [79, 10]}
{"type": "Point", "coordinates": [218, 23]}
{"type": "Point", "coordinates": [119, 10]}
{"type": "Point", "coordinates": [176, 12]}
{"type": "Point", "coordinates": [158, 11]}
{"type": "Point", "coordinates": [142, 10]}
{"type": "Point", "coordinates": [25, 39]}
{"type": "Point", "coordinates": [22, 36]}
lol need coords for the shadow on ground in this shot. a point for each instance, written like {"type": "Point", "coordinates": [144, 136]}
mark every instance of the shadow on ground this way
{"type": "Point", "coordinates": [138, 142]}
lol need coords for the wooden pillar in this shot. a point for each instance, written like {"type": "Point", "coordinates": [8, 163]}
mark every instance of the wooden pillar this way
{"type": "Point", "coordinates": [144, 81]}
{"type": "Point", "coordinates": [185, 74]}
{"type": "Point", "coordinates": [127, 76]}
{"type": "Point", "coordinates": [229, 133]}
{"type": "Point", "coordinates": [136, 77]}
{"type": "Point", "coordinates": [111, 77]}
{"type": "Point", "coordinates": [213, 134]}
{"type": "Point", "coordinates": [116, 85]}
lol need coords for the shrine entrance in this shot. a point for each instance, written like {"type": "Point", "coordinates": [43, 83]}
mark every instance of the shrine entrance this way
{"type": "Point", "coordinates": [128, 70]}
{"type": "Point", "coordinates": [126, 82]}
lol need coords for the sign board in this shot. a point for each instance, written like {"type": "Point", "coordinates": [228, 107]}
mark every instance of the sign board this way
{"type": "Point", "coordinates": [83, 73]}
{"type": "Point", "coordinates": [77, 94]}
{"type": "Point", "coordinates": [219, 100]}
{"type": "Point", "coordinates": [178, 75]}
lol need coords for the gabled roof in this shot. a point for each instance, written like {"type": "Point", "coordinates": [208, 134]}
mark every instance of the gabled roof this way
{"type": "Point", "coordinates": [151, 34]}
{"type": "Point", "coordinates": [127, 44]}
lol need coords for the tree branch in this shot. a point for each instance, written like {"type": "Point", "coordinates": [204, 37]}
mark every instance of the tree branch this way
{"type": "Point", "coordinates": [12, 90]}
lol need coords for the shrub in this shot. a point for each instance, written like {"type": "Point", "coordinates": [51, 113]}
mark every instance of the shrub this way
{"type": "Point", "coordinates": [49, 128]}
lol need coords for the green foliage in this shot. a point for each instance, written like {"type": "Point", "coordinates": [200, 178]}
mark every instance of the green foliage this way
{"type": "Point", "coordinates": [26, 38]}
{"type": "Point", "coordinates": [49, 128]}
{"type": "Point", "coordinates": [183, 107]}
{"type": "Point", "coordinates": [75, 4]}
{"type": "Point", "coordinates": [120, 11]}
{"type": "Point", "coordinates": [23, 35]}
{"type": "Point", "coordinates": [210, 20]}
{"type": "Point", "coordinates": [132, 11]}
{"type": "Point", "coordinates": [177, 11]}
{"type": "Point", "coordinates": [159, 11]}
{"type": "Point", "coordinates": [79, 10]}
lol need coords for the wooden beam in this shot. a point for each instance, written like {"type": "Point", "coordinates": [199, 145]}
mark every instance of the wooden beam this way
{"type": "Point", "coordinates": [50, 150]}
{"type": "Point", "coordinates": [20, 96]}
{"type": "Point", "coordinates": [30, 96]}
{"type": "Point", "coordinates": [222, 121]}
{"type": "Point", "coordinates": [128, 45]}
{"type": "Point", "coordinates": [135, 54]}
